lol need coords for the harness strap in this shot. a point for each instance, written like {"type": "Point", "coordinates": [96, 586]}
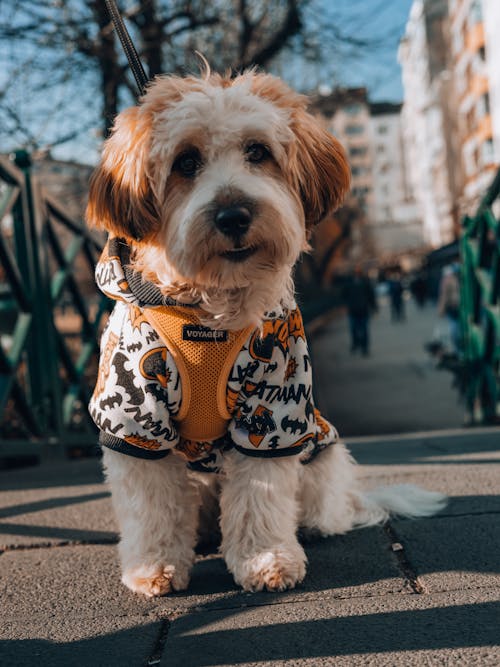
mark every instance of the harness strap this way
{"type": "Point", "coordinates": [204, 358]}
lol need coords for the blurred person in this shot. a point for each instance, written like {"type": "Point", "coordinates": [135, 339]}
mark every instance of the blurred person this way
{"type": "Point", "coordinates": [396, 298]}
{"type": "Point", "coordinates": [449, 303]}
{"type": "Point", "coordinates": [419, 289]}
{"type": "Point", "coordinates": [359, 298]}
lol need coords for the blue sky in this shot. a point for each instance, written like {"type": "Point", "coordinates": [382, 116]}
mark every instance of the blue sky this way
{"type": "Point", "coordinates": [380, 21]}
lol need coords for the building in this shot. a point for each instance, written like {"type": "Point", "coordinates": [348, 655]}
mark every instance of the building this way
{"type": "Point", "coordinates": [346, 114]}
{"type": "Point", "coordinates": [371, 135]}
{"type": "Point", "coordinates": [395, 218]}
{"type": "Point", "coordinates": [475, 54]}
{"type": "Point", "coordinates": [427, 124]}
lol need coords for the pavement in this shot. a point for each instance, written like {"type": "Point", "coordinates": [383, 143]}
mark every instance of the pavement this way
{"type": "Point", "coordinates": [423, 592]}
{"type": "Point", "coordinates": [397, 389]}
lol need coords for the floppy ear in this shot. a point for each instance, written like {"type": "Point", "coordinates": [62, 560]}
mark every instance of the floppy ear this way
{"type": "Point", "coordinates": [120, 196]}
{"type": "Point", "coordinates": [320, 171]}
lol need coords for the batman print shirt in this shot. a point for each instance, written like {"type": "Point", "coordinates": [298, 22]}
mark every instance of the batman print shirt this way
{"type": "Point", "coordinates": [139, 391]}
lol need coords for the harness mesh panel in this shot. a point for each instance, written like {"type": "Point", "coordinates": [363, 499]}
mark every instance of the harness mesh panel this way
{"type": "Point", "coordinates": [204, 368]}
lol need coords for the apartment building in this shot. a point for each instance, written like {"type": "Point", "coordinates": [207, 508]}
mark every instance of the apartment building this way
{"type": "Point", "coordinates": [346, 114]}
{"type": "Point", "coordinates": [475, 54]}
{"type": "Point", "coordinates": [395, 219]}
{"type": "Point", "coordinates": [371, 135]}
{"type": "Point", "coordinates": [427, 119]}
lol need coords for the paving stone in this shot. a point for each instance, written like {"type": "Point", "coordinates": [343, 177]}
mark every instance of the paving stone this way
{"type": "Point", "coordinates": [53, 473]}
{"type": "Point", "coordinates": [56, 515]}
{"type": "Point", "coordinates": [360, 563]}
{"type": "Point", "coordinates": [55, 503]}
{"type": "Point", "coordinates": [118, 641]}
{"type": "Point", "coordinates": [65, 582]}
{"type": "Point", "coordinates": [449, 554]}
{"type": "Point", "coordinates": [471, 490]}
{"type": "Point", "coordinates": [459, 628]}
{"type": "Point", "coordinates": [460, 446]}
{"type": "Point", "coordinates": [86, 579]}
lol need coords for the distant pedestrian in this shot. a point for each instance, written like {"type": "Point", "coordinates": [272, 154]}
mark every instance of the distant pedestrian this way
{"type": "Point", "coordinates": [419, 289]}
{"type": "Point", "coordinates": [396, 292]}
{"type": "Point", "coordinates": [449, 303]}
{"type": "Point", "coordinates": [359, 298]}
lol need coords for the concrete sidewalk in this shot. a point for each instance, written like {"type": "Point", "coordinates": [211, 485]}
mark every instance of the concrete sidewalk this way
{"type": "Point", "coordinates": [412, 593]}
{"type": "Point", "coordinates": [397, 389]}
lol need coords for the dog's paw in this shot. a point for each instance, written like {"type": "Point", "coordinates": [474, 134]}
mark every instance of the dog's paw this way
{"type": "Point", "coordinates": [155, 581]}
{"type": "Point", "coordinates": [274, 570]}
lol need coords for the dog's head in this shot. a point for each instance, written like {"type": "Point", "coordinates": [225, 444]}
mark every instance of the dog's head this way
{"type": "Point", "coordinates": [225, 177]}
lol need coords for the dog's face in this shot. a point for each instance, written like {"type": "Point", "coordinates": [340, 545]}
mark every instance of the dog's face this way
{"type": "Point", "coordinates": [224, 177]}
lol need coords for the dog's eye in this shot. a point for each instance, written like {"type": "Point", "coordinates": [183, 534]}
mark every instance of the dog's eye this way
{"type": "Point", "coordinates": [257, 153]}
{"type": "Point", "coordinates": [188, 163]}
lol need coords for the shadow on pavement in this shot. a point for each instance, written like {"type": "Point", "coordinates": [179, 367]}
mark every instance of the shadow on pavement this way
{"type": "Point", "coordinates": [116, 649]}
{"type": "Point", "coordinates": [49, 504]}
{"type": "Point", "coordinates": [451, 627]}
{"type": "Point", "coordinates": [435, 448]}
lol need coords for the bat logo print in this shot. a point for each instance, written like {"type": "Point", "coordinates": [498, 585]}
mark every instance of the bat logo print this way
{"type": "Point", "coordinates": [293, 425]}
{"type": "Point", "coordinates": [126, 379]}
{"type": "Point", "coordinates": [111, 401]}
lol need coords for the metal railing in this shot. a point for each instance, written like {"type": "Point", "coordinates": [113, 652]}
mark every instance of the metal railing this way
{"type": "Point", "coordinates": [480, 307]}
{"type": "Point", "coordinates": [50, 318]}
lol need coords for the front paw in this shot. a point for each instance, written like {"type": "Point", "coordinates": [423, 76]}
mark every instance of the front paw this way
{"type": "Point", "coordinates": [156, 580]}
{"type": "Point", "coordinates": [274, 570]}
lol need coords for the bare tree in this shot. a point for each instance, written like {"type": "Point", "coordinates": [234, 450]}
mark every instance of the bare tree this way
{"type": "Point", "coordinates": [63, 69]}
{"type": "Point", "coordinates": [56, 41]}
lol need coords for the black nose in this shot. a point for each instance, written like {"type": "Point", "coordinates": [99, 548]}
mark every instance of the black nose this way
{"type": "Point", "coordinates": [233, 220]}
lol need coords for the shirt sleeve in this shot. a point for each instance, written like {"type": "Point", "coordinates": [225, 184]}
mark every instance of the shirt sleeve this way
{"type": "Point", "coordinates": [137, 389]}
{"type": "Point", "coordinates": [274, 413]}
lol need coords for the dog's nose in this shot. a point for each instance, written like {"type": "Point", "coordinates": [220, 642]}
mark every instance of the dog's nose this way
{"type": "Point", "coordinates": [233, 220]}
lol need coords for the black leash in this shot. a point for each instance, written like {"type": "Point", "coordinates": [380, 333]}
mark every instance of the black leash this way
{"type": "Point", "coordinates": [132, 56]}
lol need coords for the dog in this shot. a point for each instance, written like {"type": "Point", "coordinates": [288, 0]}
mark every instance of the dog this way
{"type": "Point", "coordinates": [209, 189]}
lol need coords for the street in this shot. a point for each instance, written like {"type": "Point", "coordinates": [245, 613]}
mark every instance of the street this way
{"type": "Point", "coordinates": [397, 389]}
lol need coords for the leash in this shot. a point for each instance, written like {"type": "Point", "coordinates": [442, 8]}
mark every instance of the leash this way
{"type": "Point", "coordinates": [134, 61]}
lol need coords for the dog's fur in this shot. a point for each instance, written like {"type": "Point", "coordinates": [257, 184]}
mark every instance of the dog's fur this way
{"type": "Point", "coordinates": [249, 142]}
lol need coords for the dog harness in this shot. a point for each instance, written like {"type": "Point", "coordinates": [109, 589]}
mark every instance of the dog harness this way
{"type": "Point", "coordinates": [204, 359]}
{"type": "Point", "coordinates": [167, 383]}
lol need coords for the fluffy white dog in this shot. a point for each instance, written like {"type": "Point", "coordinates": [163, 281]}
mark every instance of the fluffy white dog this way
{"type": "Point", "coordinates": [209, 189]}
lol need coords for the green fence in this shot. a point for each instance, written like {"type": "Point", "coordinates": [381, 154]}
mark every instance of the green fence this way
{"type": "Point", "coordinates": [50, 319]}
{"type": "Point", "coordinates": [480, 307]}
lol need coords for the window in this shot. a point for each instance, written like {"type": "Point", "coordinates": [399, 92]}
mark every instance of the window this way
{"type": "Point", "coordinates": [382, 129]}
{"type": "Point", "coordinates": [484, 105]}
{"type": "Point", "coordinates": [357, 170]}
{"type": "Point", "coordinates": [354, 129]}
{"type": "Point", "coordinates": [353, 109]}
{"type": "Point", "coordinates": [487, 156]}
{"type": "Point", "coordinates": [360, 192]}
{"type": "Point", "coordinates": [357, 151]}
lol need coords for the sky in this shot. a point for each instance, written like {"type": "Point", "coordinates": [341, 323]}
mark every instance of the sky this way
{"type": "Point", "coordinates": [381, 20]}
{"type": "Point", "coordinates": [378, 21]}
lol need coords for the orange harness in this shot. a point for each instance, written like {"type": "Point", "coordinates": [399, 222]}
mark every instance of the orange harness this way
{"type": "Point", "coordinates": [204, 358]}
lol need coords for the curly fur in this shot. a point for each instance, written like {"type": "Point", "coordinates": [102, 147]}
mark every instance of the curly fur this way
{"type": "Point", "coordinates": [137, 192]}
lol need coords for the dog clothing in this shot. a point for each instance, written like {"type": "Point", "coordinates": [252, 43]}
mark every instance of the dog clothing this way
{"type": "Point", "coordinates": [167, 383]}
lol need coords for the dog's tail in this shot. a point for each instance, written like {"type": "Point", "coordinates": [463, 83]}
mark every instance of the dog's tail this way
{"type": "Point", "coordinates": [404, 500]}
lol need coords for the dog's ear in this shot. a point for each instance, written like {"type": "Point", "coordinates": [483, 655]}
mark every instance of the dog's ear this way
{"type": "Point", "coordinates": [120, 196]}
{"type": "Point", "coordinates": [320, 171]}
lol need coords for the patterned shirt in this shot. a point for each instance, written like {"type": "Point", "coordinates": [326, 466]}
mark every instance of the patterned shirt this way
{"type": "Point", "coordinates": [138, 400]}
